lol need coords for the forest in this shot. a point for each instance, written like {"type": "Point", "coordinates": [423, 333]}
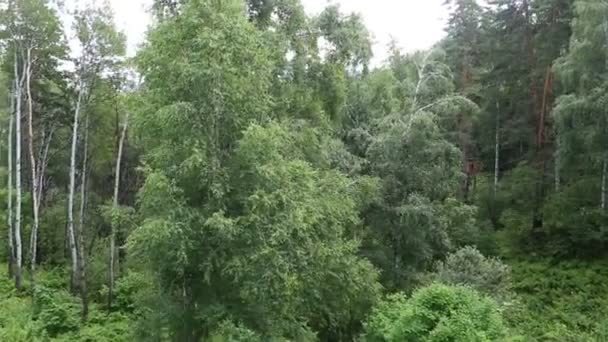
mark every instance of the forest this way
{"type": "Point", "coordinates": [251, 175]}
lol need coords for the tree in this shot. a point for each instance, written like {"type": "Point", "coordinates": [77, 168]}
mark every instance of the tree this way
{"type": "Point", "coordinates": [575, 212]}
{"type": "Point", "coordinates": [101, 45]}
{"type": "Point", "coordinates": [113, 250]}
{"type": "Point", "coordinates": [9, 200]}
{"type": "Point", "coordinates": [463, 31]}
{"type": "Point", "coordinates": [226, 195]}
{"type": "Point", "coordinates": [36, 42]}
{"type": "Point", "coordinates": [419, 166]}
{"type": "Point", "coordinates": [18, 249]}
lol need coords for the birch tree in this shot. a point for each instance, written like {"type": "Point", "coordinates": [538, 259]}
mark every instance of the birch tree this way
{"type": "Point", "coordinates": [113, 261]}
{"type": "Point", "coordinates": [71, 187]}
{"type": "Point", "coordinates": [81, 225]}
{"type": "Point", "coordinates": [36, 42]}
{"type": "Point", "coordinates": [19, 77]}
{"type": "Point", "coordinates": [9, 184]}
{"type": "Point", "coordinates": [101, 46]}
{"type": "Point", "coordinates": [33, 165]}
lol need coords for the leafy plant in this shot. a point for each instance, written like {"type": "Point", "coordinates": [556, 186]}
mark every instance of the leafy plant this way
{"type": "Point", "coordinates": [469, 267]}
{"type": "Point", "coordinates": [437, 313]}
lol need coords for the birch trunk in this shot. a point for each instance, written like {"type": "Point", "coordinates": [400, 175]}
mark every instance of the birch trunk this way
{"type": "Point", "coordinates": [9, 186]}
{"type": "Point", "coordinates": [42, 164]}
{"type": "Point", "coordinates": [71, 233]}
{"type": "Point", "coordinates": [18, 248]}
{"type": "Point", "coordinates": [81, 239]}
{"type": "Point", "coordinates": [113, 259]}
{"type": "Point", "coordinates": [35, 191]}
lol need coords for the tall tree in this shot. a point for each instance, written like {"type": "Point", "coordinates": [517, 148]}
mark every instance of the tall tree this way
{"type": "Point", "coordinates": [461, 45]}
{"type": "Point", "coordinates": [19, 79]}
{"type": "Point", "coordinates": [101, 46]}
{"type": "Point", "coordinates": [9, 200]}
{"type": "Point", "coordinates": [37, 40]}
{"type": "Point", "coordinates": [420, 168]}
{"type": "Point", "coordinates": [113, 251]}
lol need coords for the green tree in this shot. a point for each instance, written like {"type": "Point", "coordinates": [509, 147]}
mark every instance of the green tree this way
{"type": "Point", "coordinates": [420, 169]}
{"type": "Point", "coordinates": [239, 227]}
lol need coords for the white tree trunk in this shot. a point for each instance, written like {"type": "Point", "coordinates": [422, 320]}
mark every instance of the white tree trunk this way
{"type": "Point", "coordinates": [497, 149]}
{"type": "Point", "coordinates": [9, 186]}
{"type": "Point", "coordinates": [35, 191]}
{"type": "Point", "coordinates": [81, 238]}
{"type": "Point", "coordinates": [42, 164]}
{"type": "Point", "coordinates": [18, 248]}
{"type": "Point", "coordinates": [113, 258]}
{"type": "Point", "coordinates": [71, 233]}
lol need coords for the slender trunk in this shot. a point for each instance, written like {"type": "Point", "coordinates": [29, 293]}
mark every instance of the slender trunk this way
{"type": "Point", "coordinates": [42, 164]}
{"type": "Point", "coordinates": [35, 206]}
{"type": "Point", "coordinates": [9, 186]}
{"type": "Point", "coordinates": [421, 79]}
{"type": "Point", "coordinates": [81, 239]}
{"type": "Point", "coordinates": [114, 263]}
{"type": "Point", "coordinates": [497, 149]}
{"type": "Point", "coordinates": [71, 233]}
{"type": "Point", "coordinates": [546, 100]}
{"type": "Point", "coordinates": [604, 170]}
{"type": "Point", "coordinates": [18, 249]}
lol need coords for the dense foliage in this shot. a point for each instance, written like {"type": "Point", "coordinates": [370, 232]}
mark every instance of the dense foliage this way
{"type": "Point", "coordinates": [436, 313]}
{"type": "Point", "coordinates": [252, 175]}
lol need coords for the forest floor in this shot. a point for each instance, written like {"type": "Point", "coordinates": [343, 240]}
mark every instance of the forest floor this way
{"type": "Point", "coordinates": [560, 301]}
{"type": "Point", "coordinates": [555, 301]}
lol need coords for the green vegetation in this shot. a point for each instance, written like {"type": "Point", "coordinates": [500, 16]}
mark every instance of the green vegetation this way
{"type": "Point", "coordinates": [251, 175]}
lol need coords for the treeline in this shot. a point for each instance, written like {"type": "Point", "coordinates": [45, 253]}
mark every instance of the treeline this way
{"type": "Point", "coordinates": [249, 176]}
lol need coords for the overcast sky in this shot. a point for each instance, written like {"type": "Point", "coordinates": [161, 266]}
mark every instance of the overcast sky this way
{"type": "Point", "coordinates": [415, 24]}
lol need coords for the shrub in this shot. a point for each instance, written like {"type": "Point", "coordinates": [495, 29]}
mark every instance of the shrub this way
{"type": "Point", "coordinates": [15, 320]}
{"type": "Point", "coordinates": [468, 266]}
{"type": "Point", "coordinates": [437, 313]}
{"type": "Point", "coordinates": [230, 332]}
{"type": "Point", "coordinates": [105, 328]}
{"type": "Point", "coordinates": [562, 301]}
{"type": "Point", "coordinates": [55, 310]}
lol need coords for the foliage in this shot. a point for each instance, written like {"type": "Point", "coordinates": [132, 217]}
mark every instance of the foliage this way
{"type": "Point", "coordinates": [55, 310]}
{"type": "Point", "coordinates": [436, 313]}
{"type": "Point", "coordinates": [561, 301]}
{"type": "Point", "coordinates": [15, 323]}
{"type": "Point", "coordinates": [275, 183]}
{"type": "Point", "coordinates": [229, 332]}
{"type": "Point", "coordinates": [291, 229]}
{"type": "Point", "coordinates": [467, 266]}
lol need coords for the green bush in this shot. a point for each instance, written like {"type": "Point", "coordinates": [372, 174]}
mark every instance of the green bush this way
{"type": "Point", "coordinates": [468, 266]}
{"type": "Point", "coordinates": [437, 313]}
{"type": "Point", "coordinates": [230, 332]}
{"type": "Point", "coordinates": [15, 320]}
{"type": "Point", "coordinates": [56, 311]}
{"type": "Point", "coordinates": [102, 327]}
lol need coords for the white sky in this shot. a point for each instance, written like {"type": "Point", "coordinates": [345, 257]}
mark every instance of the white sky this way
{"type": "Point", "coordinates": [414, 24]}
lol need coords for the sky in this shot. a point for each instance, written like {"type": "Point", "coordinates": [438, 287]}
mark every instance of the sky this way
{"type": "Point", "coordinates": [414, 24]}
